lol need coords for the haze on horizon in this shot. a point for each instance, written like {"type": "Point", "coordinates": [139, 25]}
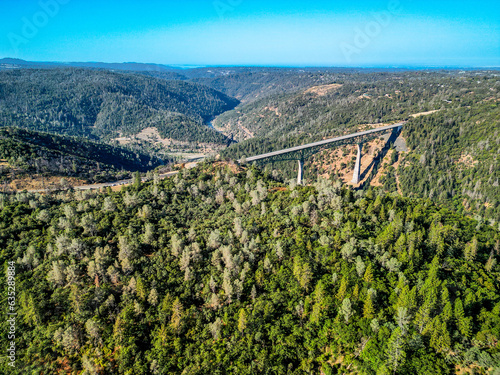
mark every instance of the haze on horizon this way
{"type": "Point", "coordinates": [403, 33]}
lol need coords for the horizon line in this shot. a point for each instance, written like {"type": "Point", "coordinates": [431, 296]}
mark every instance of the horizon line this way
{"type": "Point", "coordinates": [294, 66]}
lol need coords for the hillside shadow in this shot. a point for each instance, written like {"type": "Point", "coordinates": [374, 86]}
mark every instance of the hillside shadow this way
{"type": "Point", "coordinates": [376, 161]}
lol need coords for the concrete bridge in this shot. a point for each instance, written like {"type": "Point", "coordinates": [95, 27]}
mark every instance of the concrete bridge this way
{"type": "Point", "coordinates": [300, 153]}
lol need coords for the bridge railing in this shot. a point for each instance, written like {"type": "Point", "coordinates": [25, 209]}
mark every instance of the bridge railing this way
{"type": "Point", "coordinates": [301, 150]}
{"type": "Point", "coordinates": [321, 143]}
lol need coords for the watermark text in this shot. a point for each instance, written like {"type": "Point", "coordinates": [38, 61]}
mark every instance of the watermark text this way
{"type": "Point", "coordinates": [11, 313]}
{"type": "Point", "coordinates": [31, 26]}
{"type": "Point", "coordinates": [364, 36]}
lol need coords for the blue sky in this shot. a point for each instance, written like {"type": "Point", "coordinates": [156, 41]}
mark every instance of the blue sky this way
{"type": "Point", "coordinates": [254, 32]}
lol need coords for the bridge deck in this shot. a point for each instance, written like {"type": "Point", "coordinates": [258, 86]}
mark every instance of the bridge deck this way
{"type": "Point", "coordinates": [321, 143]}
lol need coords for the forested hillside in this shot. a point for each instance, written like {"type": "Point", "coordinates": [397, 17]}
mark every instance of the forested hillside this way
{"type": "Point", "coordinates": [455, 160]}
{"type": "Point", "coordinates": [227, 271]}
{"type": "Point", "coordinates": [250, 84]}
{"type": "Point", "coordinates": [453, 145]}
{"type": "Point", "coordinates": [324, 111]}
{"type": "Point", "coordinates": [31, 154]}
{"type": "Point", "coordinates": [253, 83]}
{"type": "Point", "coordinates": [102, 104]}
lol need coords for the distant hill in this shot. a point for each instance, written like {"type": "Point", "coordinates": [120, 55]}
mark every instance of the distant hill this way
{"type": "Point", "coordinates": [31, 153]}
{"type": "Point", "coordinates": [10, 63]}
{"type": "Point", "coordinates": [250, 84]}
{"type": "Point", "coordinates": [103, 104]}
{"type": "Point", "coordinates": [244, 83]}
{"type": "Point", "coordinates": [7, 63]}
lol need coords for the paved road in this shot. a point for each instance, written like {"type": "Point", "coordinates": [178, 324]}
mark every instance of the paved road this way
{"type": "Point", "coordinates": [119, 183]}
{"type": "Point", "coordinates": [106, 184]}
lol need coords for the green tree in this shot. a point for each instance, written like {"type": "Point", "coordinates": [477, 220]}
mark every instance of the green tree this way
{"type": "Point", "coordinates": [346, 309]}
{"type": "Point", "coordinates": [396, 354]}
{"type": "Point", "coordinates": [177, 315]}
{"type": "Point", "coordinates": [242, 320]}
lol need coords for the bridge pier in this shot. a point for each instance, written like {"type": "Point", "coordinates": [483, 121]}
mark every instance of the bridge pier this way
{"type": "Point", "coordinates": [357, 167]}
{"type": "Point", "coordinates": [301, 171]}
{"type": "Point", "coordinates": [315, 147]}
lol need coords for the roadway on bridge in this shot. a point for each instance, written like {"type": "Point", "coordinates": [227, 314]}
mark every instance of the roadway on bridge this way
{"type": "Point", "coordinates": [321, 143]}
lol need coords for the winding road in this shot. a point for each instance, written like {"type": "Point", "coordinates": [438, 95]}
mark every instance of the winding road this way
{"type": "Point", "coordinates": [117, 183]}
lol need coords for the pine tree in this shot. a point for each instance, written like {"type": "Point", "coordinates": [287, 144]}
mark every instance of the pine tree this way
{"type": "Point", "coordinates": [227, 284]}
{"type": "Point", "coordinates": [440, 338]}
{"type": "Point", "coordinates": [346, 309]}
{"type": "Point", "coordinates": [153, 297]}
{"type": "Point", "coordinates": [140, 289]}
{"type": "Point", "coordinates": [149, 233]}
{"type": "Point", "coordinates": [368, 310]}
{"type": "Point", "coordinates": [242, 320]}
{"type": "Point", "coordinates": [176, 244]}
{"type": "Point", "coordinates": [355, 292]}
{"type": "Point", "coordinates": [253, 293]}
{"type": "Point", "coordinates": [368, 276]}
{"type": "Point", "coordinates": [490, 263]}
{"type": "Point", "coordinates": [212, 284]}
{"type": "Point", "coordinates": [30, 314]}
{"type": "Point", "coordinates": [395, 350]}
{"type": "Point", "coordinates": [214, 240]}
{"type": "Point", "coordinates": [215, 328]}
{"type": "Point", "coordinates": [302, 272]}
{"type": "Point", "coordinates": [177, 313]}
{"type": "Point", "coordinates": [165, 308]}
{"type": "Point", "coordinates": [422, 318]}
{"type": "Point", "coordinates": [214, 301]}
{"type": "Point", "coordinates": [137, 181]}
{"type": "Point", "coordinates": [360, 266]}
{"type": "Point", "coordinates": [279, 250]}
{"type": "Point", "coordinates": [470, 250]}
{"type": "Point", "coordinates": [342, 289]}
{"type": "Point", "coordinates": [464, 324]}
{"type": "Point", "coordinates": [305, 276]}
{"type": "Point", "coordinates": [403, 318]}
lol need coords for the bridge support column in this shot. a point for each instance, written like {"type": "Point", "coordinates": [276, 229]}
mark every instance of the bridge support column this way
{"type": "Point", "coordinates": [301, 172]}
{"type": "Point", "coordinates": [357, 167]}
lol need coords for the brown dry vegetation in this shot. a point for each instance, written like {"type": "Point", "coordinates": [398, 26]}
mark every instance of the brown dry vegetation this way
{"type": "Point", "coordinates": [330, 161]}
{"type": "Point", "coordinates": [467, 161]}
{"type": "Point", "coordinates": [323, 89]}
{"type": "Point", "coordinates": [415, 115]}
{"type": "Point", "coordinates": [244, 132]}
{"type": "Point", "coordinates": [39, 183]}
{"type": "Point", "coordinates": [152, 136]}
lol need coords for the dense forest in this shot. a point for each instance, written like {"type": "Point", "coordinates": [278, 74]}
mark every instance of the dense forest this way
{"type": "Point", "coordinates": [223, 270]}
{"type": "Point", "coordinates": [244, 83]}
{"type": "Point", "coordinates": [455, 160]}
{"type": "Point", "coordinates": [347, 103]}
{"type": "Point", "coordinates": [29, 153]}
{"type": "Point", "coordinates": [228, 269]}
{"type": "Point", "coordinates": [453, 153]}
{"type": "Point", "coordinates": [103, 105]}
{"type": "Point", "coordinates": [251, 84]}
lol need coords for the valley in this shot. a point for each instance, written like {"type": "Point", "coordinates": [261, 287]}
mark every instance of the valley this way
{"type": "Point", "coordinates": [142, 245]}
{"type": "Point", "coordinates": [234, 187]}
{"type": "Point", "coordinates": [297, 107]}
